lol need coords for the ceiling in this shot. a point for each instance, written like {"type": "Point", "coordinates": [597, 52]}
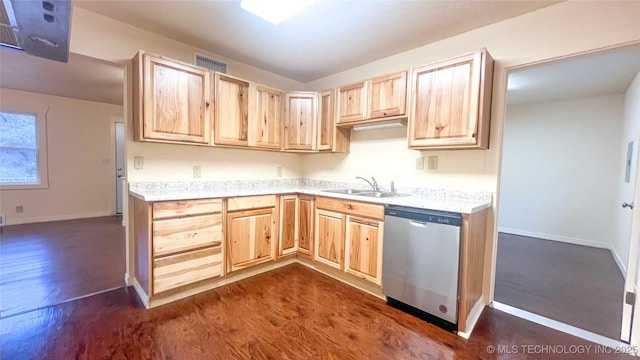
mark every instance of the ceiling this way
{"type": "Point", "coordinates": [323, 39]}
{"type": "Point", "coordinates": [602, 73]}
{"type": "Point", "coordinates": [81, 78]}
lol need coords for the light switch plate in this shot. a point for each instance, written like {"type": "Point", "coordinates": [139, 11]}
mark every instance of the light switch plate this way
{"type": "Point", "coordinates": [197, 171]}
{"type": "Point", "coordinates": [420, 163]}
{"type": "Point", "coordinates": [138, 162]}
{"type": "Point", "coordinates": [433, 163]}
{"type": "Point", "coordinates": [278, 171]}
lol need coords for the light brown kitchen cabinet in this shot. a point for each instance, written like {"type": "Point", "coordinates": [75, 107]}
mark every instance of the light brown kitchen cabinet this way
{"type": "Point", "coordinates": [172, 101]}
{"type": "Point", "coordinates": [363, 248]}
{"type": "Point", "coordinates": [352, 102]}
{"type": "Point", "coordinates": [305, 225]}
{"type": "Point", "coordinates": [451, 103]}
{"type": "Point", "coordinates": [330, 138]}
{"type": "Point", "coordinates": [387, 96]}
{"type": "Point", "coordinates": [289, 208]}
{"type": "Point", "coordinates": [251, 231]}
{"type": "Point", "coordinates": [380, 98]}
{"type": "Point", "coordinates": [266, 122]}
{"type": "Point", "coordinates": [300, 125]}
{"type": "Point", "coordinates": [349, 237]}
{"type": "Point", "coordinates": [177, 243]}
{"type": "Point", "coordinates": [231, 124]}
{"type": "Point", "coordinates": [329, 239]}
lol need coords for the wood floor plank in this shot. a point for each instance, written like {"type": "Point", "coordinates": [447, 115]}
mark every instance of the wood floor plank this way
{"type": "Point", "coordinates": [288, 313]}
{"type": "Point", "coordinates": [577, 285]}
{"type": "Point", "coordinates": [44, 264]}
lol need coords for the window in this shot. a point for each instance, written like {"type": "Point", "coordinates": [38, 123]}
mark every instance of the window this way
{"type": "Point", "coordinates": [23, 162]}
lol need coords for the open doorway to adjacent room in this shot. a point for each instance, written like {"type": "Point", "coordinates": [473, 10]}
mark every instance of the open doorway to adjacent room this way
{"type": "Point", "coordinates": [571, 137]}
{"type": "Point", "coordinates": [62, 236]}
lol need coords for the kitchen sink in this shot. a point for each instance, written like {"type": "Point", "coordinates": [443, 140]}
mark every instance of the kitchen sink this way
{"type": "Point", "coordinates": [368, 193]}
{"type": "Point", "coordinates": [347, 191]}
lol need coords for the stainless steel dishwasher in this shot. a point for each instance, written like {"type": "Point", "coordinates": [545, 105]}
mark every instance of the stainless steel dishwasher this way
{"type": "Point", "coordinates": [420, 263]}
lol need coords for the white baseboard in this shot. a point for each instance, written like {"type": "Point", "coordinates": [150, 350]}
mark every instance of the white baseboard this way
{"type": "Point", "coordinates": [559, 238]}
{"type": "Point", "coordinates": [19, 221]}
{"type": "Point", "coordinates": [621, 265]}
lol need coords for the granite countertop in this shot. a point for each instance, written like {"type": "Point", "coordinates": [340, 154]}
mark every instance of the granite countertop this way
{"type": "Point", "coordinates": [442, 200]}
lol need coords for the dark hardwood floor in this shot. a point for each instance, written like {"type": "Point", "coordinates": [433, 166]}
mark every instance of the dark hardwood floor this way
{"type": "Point", "coordinates": [48, 263]}
{"type": "Point", "coordinates": [289, 313]}
{"type": "Point", "coordinates": [577, 285]}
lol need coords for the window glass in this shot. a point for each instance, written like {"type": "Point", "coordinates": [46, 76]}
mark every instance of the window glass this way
{"type": "Point", "coordinates": [18, 149]}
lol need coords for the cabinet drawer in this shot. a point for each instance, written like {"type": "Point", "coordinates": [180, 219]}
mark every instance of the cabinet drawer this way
{"type": "Point", "coordinates": [173, 271]}
{"type": "Point", "coordinates": [351, 207]}
{"type": "Point", "coordinates": [181, 234]}
{"type": "Point", "coordinates": [251, 202]}
{"type": "Point", "coordinates": [169, 209]}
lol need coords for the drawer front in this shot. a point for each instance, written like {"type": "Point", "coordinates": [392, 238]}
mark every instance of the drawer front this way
{"type": "Point", "coordinates": [173, 271]}
{"type": "Point", "coordinates": [182, 234]}
{"type": "Point", "coordinates": [351, 207]}
{"type": "Point", "coordinates": [251, 202]}
{"type": "Point", "coordinates": [169, 209]}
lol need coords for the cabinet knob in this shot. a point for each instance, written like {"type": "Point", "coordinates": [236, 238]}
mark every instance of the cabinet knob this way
{"type": "Point", "coordinates": [206, 104]}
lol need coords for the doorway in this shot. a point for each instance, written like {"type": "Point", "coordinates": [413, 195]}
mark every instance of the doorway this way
{"type": "Point", "coordinates": [563, 243]}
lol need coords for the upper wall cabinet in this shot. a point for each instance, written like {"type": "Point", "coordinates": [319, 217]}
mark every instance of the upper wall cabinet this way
{"type": "Point", "coordinates": [300, 125]}
{"type": "Point", "coordinates": [231, 125]}
{"type": "Point", "coordinates": [172, 101]}
{"type": "Point", "coordinates": [266, 120]}
{"type": "Point", "coordinates": [330, 138]}
{"type": "Point", "coordinates": [451, 103]}
{"type": "Point", "coordinates": [374, 99]}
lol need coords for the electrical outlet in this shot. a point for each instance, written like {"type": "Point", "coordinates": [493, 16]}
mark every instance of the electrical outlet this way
{"type": "Point", "coordinates": [197, 171]}
{"type": "Point", "coordinates": [138, 162]}
{"type": "Point", "coordinates": [433, 163]}
{"type": "Point", "coordinates": [278, 171]}
{"type": "Point", "coordinates": [420, 163]}
{"type": "Point", "coordinates": [19, 209]}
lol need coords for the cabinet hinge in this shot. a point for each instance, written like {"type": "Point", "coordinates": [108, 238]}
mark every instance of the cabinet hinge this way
{"type": "Point", "coordinates": [630, 298]}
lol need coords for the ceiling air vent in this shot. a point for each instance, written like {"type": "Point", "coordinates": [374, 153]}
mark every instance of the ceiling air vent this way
{"type": "Point", "coordinates": [210, 63]}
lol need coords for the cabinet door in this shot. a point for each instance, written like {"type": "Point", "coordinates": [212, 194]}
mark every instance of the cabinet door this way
{"type": "Point", "coordinates": [176, 102]}
{"type": "Point", "coordinates": [387, 95]}
{"type": "Point", "coordinates": [231, 125]}
{"type": "Point", "coordinates": [300, 121]}
{"type": "Point", "coordinates": [305, 225]}
{"type": "Point", "coordinates": [326, 121]}
{"type": "Point", "coordinates": [329, 241]}
{"type": "Point", "coordinates": [363, 249]}
{"type": "Point", "coordinates": [288, 224]}
{"type": "Point", "coordinates": [266, 123]}
{"type": "Point", "coordinates": [250, 238]}
{"type": "Point", "coordinates": [445, 103]}
{"type": "Point", "coordinates": [352, 102]}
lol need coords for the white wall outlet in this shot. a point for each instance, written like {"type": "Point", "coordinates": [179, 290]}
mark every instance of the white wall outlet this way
{"type": "Point", "coordinates": [278, 171]}
{"type": "Point", "coordinates": [420, 163]}
{"type": "Point", "coordinates": [138, 162]}
{"type": "Point", "coordinates": [19, 209]}
{"type": "Point", "coordinates": [197, 171]}
{"type": "Point", "coordinates": [433, 163]}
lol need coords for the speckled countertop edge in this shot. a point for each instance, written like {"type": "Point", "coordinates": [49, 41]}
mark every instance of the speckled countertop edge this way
{"type": "Point", "coordinates": [442, 200]}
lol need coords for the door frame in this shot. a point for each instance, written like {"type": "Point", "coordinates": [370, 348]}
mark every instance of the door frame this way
{"type": "Point", "coordinates": [501, 77]}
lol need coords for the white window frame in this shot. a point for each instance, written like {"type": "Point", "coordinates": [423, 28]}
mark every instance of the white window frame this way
{"type": "Point", "coordinates": [41, 140]}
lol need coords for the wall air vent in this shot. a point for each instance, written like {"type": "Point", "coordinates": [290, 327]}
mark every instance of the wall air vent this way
{"type": "Point", "coordinates": [210, 63]}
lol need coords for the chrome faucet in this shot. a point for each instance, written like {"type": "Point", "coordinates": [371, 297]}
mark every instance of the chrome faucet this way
{"type": "Point", "coordinates": [373, 184]}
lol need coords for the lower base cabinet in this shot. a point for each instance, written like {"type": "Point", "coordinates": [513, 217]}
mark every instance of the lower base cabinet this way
{"type": "Point", "coordinates": [363, 249]}
{"type": "Point", "coordinates": [251, 231]}
{"type": "Point", "coordinates": [329, 242]}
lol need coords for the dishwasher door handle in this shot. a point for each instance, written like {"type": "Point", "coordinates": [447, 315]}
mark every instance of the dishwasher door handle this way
{"type": "Point", "coordinates": [418, 223]}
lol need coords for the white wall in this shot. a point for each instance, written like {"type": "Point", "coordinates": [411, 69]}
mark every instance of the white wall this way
{"type": "Point", "coordinates": [630, 132]}
{"type": "Point", "coordinates": [561, 171]}
{"type": "Point", "coordinates": [80, 160]}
